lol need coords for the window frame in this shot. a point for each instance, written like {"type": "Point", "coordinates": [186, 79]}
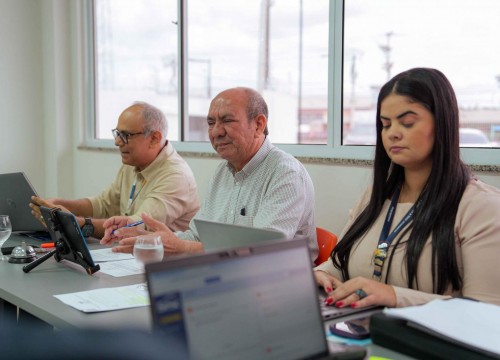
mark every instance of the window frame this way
{"type": "Point", "coordinates": [333, 149]}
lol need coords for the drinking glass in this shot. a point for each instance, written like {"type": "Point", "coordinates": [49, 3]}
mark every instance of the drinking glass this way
{"type": "Point", "coordinates": [5, 231]}
{"type": "Point", "coordinates": [148, 249]}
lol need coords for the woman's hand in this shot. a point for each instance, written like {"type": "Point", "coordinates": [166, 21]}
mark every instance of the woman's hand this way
{"type": "Point", "coordinates": [326, 281]}
{"type": "Point", "coordinates": [360, 292]}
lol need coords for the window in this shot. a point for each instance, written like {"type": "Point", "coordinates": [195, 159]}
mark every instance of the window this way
{"type": "Point", "coordinates": [319, 64]}
{"type": "Point", "coordinates": [456, 37]}
{"type": "Point", "coordinates": [279, 47]}
{"type": "Point", "coordinates": [136, 57]}
{"type": "Point", "coordinates": [282, 46]}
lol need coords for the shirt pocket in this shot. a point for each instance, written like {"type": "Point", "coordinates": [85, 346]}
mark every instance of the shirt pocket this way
{"type": "Point", "coordinates": [244, 220]}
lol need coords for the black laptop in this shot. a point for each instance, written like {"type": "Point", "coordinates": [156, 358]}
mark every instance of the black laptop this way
{"type": "Point", "coordinates": [15, 195]}
{"type": "Point", "coordinates": [253, 302]}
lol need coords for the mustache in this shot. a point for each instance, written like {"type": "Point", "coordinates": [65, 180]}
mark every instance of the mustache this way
{"type": "Point", "coordinates": [222, 141]}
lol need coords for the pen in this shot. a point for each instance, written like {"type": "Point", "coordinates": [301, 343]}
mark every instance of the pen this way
{"type": "Point", "coordinates": [140, 222]}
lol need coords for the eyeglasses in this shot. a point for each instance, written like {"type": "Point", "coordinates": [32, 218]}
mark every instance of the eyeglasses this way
{"type": "Point", "coordinates": [124, 136]}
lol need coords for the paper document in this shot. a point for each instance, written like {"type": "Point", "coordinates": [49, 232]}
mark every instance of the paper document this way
{"type": "Point", "coordinates": [107, 299]}
{"type": "Point", "coordinates": [122, 268]}
{"type": "Point", "coordinates": [468, 322]}
{"type": "Point", "coordinates": [101, 255]}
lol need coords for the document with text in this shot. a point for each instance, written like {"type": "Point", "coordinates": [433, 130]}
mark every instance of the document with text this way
{"type": "Point", "coordinates": [122, 267]}
{"type": "Point", "coordinates": [116, 264]}
{"type": "Point", "coordinates": [103, 255]}
{"type": "Point", "coordinates": [107, 299]}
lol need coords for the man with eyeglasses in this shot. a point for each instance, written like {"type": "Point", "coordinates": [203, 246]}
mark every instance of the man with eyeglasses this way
{"type": "Point", "coordinates": [257, 185]}
{"type": "Point", "coordinates": [153, 179]}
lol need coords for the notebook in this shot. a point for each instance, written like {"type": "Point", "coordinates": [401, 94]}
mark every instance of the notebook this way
{"type": "Point", "coordinates": [217, 235]}
{"type": "Point", "coordinates": [253, 302]}
{"type": "Point", "coordinates": [15, 195]}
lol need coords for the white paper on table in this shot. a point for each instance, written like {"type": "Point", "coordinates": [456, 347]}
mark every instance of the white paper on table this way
{"type": "Point", "coordinates": [101, 255]}
{"type": "Point", "coordinates": [107, 299]}
{"type": "Point", "coordinates": [122, 268]}
{"type": "Point", "coordinates": [469, 322]}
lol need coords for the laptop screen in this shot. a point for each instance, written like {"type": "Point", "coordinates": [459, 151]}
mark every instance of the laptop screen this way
{"type": "Point", "coordinates": [247, 304]}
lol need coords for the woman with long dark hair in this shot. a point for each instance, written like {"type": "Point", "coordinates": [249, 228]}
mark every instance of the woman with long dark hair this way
{"type": "Point", "coordinates": [427, 228]}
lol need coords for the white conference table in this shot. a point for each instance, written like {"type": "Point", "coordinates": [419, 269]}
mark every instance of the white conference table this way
{"type": "Point", "coordinates": [33, 293]}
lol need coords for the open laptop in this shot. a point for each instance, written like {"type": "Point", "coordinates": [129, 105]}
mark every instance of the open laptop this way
{"type": "Point", "coordinates": [216, 235]}
{"type": "Point", "coordinates": [15, 195]}
{"type": "Point", "coordinates": [253, 302]}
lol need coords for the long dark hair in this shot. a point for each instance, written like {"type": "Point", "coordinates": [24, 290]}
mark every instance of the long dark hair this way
{"type": "Point", "coordinates": [438, 201]}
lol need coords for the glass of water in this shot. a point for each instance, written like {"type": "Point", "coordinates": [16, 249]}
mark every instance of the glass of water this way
{"type": "Point", "coordinates": [148, 249]}
{"type": "Point", "coordinates": [5, 231]}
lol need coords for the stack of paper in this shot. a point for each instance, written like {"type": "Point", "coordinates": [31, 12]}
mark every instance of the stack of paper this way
{"type": "Point", "coordinates": [470, 323]}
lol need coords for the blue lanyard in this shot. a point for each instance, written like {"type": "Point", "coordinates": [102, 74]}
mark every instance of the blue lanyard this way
{"type": "Point", "coordinates": [132, 192]}
{"type": "Point", "coordinates": [386, 239]}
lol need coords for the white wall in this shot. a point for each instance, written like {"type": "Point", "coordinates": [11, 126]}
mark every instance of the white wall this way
{"type": "Point", "coordinates": [21, 90]}
{"type": "Point", "coordinates": [36, 99]}
{"type": "Point", "coordinates": [41, 121]}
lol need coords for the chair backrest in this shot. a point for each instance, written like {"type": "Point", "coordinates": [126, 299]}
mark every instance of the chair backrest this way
{"type": "Point", "coordinates": [326, 243]}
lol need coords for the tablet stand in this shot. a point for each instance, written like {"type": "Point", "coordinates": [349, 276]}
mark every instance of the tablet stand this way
{"type": "Point", "coordinates": [63, 250]}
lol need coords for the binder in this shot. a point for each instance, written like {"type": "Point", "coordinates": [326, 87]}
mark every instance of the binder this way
{"type": "Point", "coordinates": [422, 342]}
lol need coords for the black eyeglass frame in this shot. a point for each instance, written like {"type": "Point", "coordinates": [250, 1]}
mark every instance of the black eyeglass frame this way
{"type": "Point", "coordinates": [124, 136]}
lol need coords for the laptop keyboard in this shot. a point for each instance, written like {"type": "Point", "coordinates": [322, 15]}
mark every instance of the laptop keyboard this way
{"type": "Point", "coordinates": [331, 312]}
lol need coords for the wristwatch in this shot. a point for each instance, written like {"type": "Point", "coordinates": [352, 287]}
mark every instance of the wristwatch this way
{"type": "Point", "coordinates": [88, 227]}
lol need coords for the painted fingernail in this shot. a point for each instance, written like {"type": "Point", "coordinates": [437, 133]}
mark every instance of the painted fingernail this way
{"type": "Point", "coordinates": [339, 304]}
{"type": "Point", "coordinates": [328, 301]}
{"type": "Point", "coordinates": [354, 305]}
{"type": "Point", "coordinates": [329, 289]}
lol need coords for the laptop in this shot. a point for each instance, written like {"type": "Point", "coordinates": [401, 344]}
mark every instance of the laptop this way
{"type": "Point", "coordinates": [15, 195]}
{"type": "Point", "coordinates": [252, 302]}
{"type": "Point", "coordinates": [216, 235]}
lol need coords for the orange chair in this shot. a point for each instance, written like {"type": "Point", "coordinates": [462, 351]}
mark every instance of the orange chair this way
{"type": "Point", "coordinates": [326, 243]}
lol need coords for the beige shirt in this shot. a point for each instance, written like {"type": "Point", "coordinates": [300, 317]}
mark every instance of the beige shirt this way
{"type": "Point", "coordinates": [477, 234]}
{"type": "Point", "coordinates": [166, 190]}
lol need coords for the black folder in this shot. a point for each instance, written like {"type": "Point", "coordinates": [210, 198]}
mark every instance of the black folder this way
{"type": "Point", "coordinates": [403, 336]}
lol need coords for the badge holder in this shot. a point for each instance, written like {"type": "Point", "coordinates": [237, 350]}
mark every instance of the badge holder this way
{"type": "Point", "coordinates": [69, 242]}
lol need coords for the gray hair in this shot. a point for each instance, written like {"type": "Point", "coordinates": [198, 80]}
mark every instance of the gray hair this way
{"type": "Point", "coordinates": [154, 118]}
{"type": "Point", "coordinates": [256, 105]}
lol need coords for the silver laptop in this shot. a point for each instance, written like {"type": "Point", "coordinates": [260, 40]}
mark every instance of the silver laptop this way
{"type": "Point", "coordinates": [216, 235]}
{"type": "Point", "coordinates": [253, 302]}
{"type": "Point", "coordinates": [15, 195]}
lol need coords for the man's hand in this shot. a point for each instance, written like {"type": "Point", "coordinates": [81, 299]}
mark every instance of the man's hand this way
{"type": "Point", "coordinates": [35, 204]}
{"type": "Point", "coordinates": [110, 229]}
{"type": "Point", "coordinates": [171, 243]}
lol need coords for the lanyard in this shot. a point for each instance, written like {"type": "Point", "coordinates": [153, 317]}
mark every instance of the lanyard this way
{"type": "Point", "coordinates": [132, 192]}
{"type": "Point", "coordinates": [385, 240]}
